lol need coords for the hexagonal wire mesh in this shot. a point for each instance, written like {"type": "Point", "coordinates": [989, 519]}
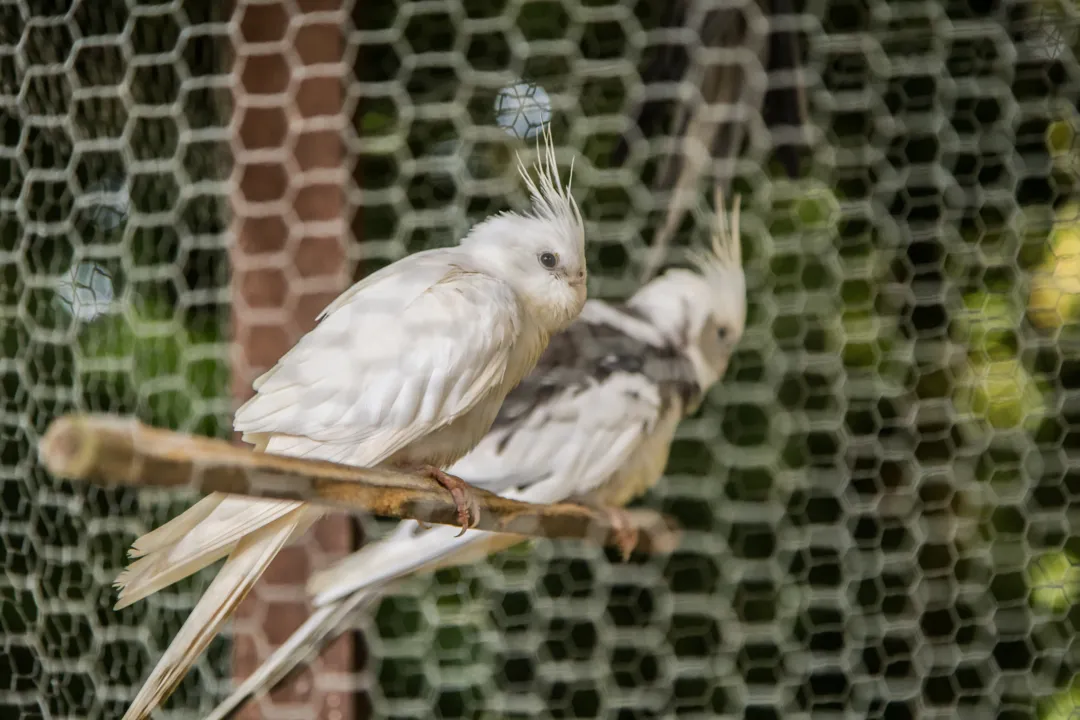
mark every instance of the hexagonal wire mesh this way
{"type": "Point", "coordinates": [878, 500]}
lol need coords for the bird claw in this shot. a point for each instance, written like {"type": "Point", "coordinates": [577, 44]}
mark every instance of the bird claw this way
{"type": "Point", "coordinates": [467, 506]}
{"type": "Point", "coordinates": [627, 534]}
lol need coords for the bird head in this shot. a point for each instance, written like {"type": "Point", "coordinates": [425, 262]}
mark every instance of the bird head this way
{"type": "Point", "coordinates": [702, 311]}
{"type": "Point", "coordinates": [539, 253]}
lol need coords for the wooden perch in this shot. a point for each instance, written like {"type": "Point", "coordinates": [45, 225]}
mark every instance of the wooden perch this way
{"type": "Point", "coordinates": [109, 450]}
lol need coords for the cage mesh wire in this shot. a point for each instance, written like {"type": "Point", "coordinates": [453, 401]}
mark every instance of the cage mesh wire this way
{"type": "Point", "coordinates": [879, 499]}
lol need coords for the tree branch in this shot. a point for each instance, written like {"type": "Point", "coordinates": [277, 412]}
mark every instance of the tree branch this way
{"type": "Point", "coordinates": [110, 450]}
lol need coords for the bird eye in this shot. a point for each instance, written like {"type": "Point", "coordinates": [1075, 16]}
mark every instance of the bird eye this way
{"type": "Point", "coordinates": [549, 260]}
{"type": "Point", "coordinates": [721, 333]}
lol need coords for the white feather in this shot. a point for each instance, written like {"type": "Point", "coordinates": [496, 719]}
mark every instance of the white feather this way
{"type": "Point", "coordinates": [238, 575]}
{"type": "Point", "coordinates": [359, 378]}
{"type": "Point", "coordinates": [175, 529]}
{"type": "Point", "coordinates": [569, 445]}
{"type": "Point", "coordinates": [218, 533]}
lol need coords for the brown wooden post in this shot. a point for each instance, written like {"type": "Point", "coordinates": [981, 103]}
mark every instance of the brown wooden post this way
{"type": "Point", "coordinates": [288, 261]}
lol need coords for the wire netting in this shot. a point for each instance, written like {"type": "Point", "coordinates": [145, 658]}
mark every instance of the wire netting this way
{"type": "Point", "coordinates": [878, 500]}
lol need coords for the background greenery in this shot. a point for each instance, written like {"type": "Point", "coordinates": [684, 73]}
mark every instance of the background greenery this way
{"type": "Point", "coordinates": [879, 501]}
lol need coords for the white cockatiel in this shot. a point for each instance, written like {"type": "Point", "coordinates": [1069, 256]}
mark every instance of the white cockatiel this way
{"type": "Point", "coordinates": [408, 368]}
{"type": "Point", "coordinates": [593, 422]}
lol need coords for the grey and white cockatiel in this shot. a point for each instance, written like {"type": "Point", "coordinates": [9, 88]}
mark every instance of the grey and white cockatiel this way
{"type": "Point", "coordinates": [408, 368]}
{"type": "Point", "coordinates": [594, 422]}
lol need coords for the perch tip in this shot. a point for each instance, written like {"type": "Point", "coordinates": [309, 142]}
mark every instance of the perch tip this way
{"type": "Point", "coordinates": [67, 449]}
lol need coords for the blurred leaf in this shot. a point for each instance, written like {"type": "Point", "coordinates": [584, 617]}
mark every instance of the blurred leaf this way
{"type": "Point", "coordinates": [1002, 393]}
{"type": "Point", "coordinates": [162, 384]}
{"type": "Point", "coordinates": [987, 325]}
{"type": "Point", "coordinates": [802, 206]}
{"type": "Point", "coordinates": [817, 210]}
{"type": "Point", "coordinates": [1063, 706]}
{"type": "Point", "coordinates": [860, 350]}
{"type": "Point", "coordinates": [1054, 579]}
{"type": "Point", "coordinates": [1055, 285]}
{"type": "Point", "coordinates": [373, 122]}
{"type": "Point", "coordinates": [1059, 138]}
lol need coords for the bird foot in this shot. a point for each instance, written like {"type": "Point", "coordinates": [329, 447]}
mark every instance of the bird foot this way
{"type": "Point", "coordinates": [627, 534]}
{"type": "Point", "coordinates": [468, 509]}
{"type": "Point", "coordinates": [622, 524]}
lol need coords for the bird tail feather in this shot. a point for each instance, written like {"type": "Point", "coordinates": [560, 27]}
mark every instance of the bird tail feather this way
{"type": "Point", "coordinates": [247, 562]}
{"type": "Point", "coordinates": [385, 561]}
{"type": "Point", "coordinates": [407, 550]}
{"type": "Point", "coordinates": [308, 640]}
{"type": "Point", "coordinates": [207, 532]}
{"type": "Point", "coordinates": [174, 530]}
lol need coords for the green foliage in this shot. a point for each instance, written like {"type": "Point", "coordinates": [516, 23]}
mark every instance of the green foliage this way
{"type": "Point", "coordinates": [1054, 579]}
{"type": "Point", "coordinates": [170, 377]}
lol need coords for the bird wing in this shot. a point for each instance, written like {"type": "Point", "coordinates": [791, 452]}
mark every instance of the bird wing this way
{"type": "Point", "coordinates": [596, 391]}
{"type": "Point", "coordinates": [394, 358]}
{"type": "Point", "coordinates": [569, 443]}
{"type": "Point", "coordinates": [453, 356]}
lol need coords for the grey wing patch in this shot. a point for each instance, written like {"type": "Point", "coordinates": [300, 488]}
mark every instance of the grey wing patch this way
{"type": "Point", "coordinates": [584, 356]}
